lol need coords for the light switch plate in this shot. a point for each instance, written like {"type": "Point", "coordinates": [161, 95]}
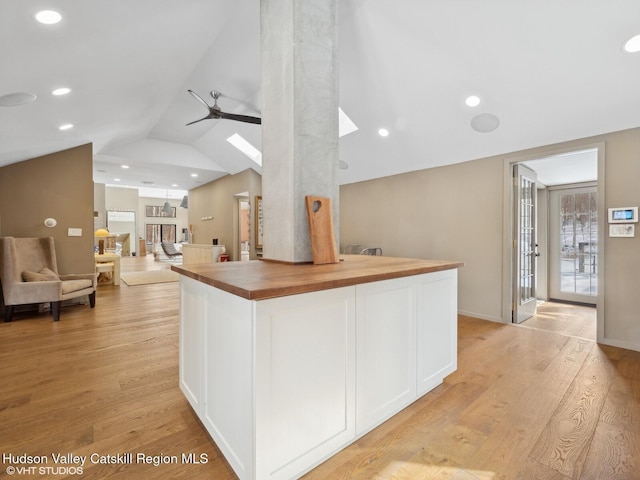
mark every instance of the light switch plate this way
{"type": "Point", "coordinates": [617, 230]}
{"type": "Point", "coordinates": [74, 232]}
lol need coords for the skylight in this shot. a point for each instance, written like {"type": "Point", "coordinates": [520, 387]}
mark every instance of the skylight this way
{"type": "Point", "coordinates": [345, 124]}
{"type": "Point", "coordinates": [345, 127]}
{"type": "Point", "coordinates": [245, 147]}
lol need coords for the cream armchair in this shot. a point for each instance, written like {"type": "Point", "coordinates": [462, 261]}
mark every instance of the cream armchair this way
{"type": "Point", "coordinates": [29, 274]}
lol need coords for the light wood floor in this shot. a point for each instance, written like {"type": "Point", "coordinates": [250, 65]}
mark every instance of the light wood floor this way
{"type": "Point", "coordinates": [525, 403]}
{"type": "Point", "coordinates": [565, 319]}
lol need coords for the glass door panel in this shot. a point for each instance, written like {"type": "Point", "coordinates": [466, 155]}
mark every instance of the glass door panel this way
{"type": "Point", "coordinates": [574, 244]}
{"type": "Point", "coordinates": [524, 289]}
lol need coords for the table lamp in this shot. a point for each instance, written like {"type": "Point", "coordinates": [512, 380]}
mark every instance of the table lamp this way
{"type": "Point", "coordinates": [101, 233]}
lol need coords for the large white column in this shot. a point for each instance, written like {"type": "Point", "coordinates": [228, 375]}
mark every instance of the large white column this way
{"type": "Point", "coordinates": [299, 120]}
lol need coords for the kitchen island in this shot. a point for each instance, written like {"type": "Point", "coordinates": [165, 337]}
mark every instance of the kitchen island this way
{"type": "Point", "coordinates": [285, 365]}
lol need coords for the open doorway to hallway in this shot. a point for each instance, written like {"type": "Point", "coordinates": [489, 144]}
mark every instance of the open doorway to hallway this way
{"type": "Point", "coordinates": [566, 245]}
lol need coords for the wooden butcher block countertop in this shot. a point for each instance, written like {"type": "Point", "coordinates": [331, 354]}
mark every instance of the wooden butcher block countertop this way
{"type": "Point", "coordinates": [262, 279]}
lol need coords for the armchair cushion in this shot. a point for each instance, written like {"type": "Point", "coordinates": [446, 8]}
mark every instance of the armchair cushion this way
{"type": "Point", "coordinates": [43, 275]}
{"type": "Point", "coordinates": [69, 286]}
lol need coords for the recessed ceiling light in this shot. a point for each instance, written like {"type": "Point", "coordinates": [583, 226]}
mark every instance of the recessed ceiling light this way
{"type": "Point", "coordinates": [66, 126]}
{"type": "Point", "coordinates": [116, 179]}
{"type": "Point", "coordinates": [472, 101]}
{"type": "Point", "coordinates": [60, 91]}
{"type": "Point", "coordinates": [485, 122]}
{"type": "Point", "coordinates": [194, 175]}
{"type": "Point", "coordinates": [632, 45]}
{"type": "Point", "coordinates": [174, 184]}
{"type": "Point", "coordinates": [48, 17]}
{"type": "Point", "coordinates": [16, 99]}
{"type": "Point", "coordinates": [383, 132]}
{"type": "Point", "coordinates": [124, 166]}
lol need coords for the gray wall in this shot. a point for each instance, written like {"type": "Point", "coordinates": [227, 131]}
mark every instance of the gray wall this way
{"type": "Point", "coordinates": [218, 199]}
{"type": "Point", "coordinates": [449, 213]}
{"type": "Point", "coordinates": [456, 213]}
{"type": "Point", "coordinates": [59, 185]}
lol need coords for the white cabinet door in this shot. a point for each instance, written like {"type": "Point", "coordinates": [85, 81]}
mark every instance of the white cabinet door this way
{"type": "Point", "coordinates": [305, 378]}
{"type": "Point", "coordinates": [386, 354]}
{"type": "Point", "coordinates": [228, 390]}
{"type": "Point", "coordinates": [192, 341]}
{"type": "Point", "coordinates": [436, 331]}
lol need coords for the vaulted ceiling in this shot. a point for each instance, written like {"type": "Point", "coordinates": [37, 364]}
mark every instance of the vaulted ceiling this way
{"type": "Point", "coordinates": [549, 71]}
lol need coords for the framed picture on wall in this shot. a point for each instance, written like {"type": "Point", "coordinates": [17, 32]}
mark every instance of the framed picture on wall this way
{"type": "Point", "coordinates": [156, 211]}
{"type": "Point", "coordinates": [259, 221]}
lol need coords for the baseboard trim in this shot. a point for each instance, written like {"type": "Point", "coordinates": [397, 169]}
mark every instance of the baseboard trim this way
{"type": "Point", "coordinates": [480, 316]}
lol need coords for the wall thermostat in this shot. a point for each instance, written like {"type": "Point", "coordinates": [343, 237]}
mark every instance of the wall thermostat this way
{"type": "Point", "coordinates": [623, 215]}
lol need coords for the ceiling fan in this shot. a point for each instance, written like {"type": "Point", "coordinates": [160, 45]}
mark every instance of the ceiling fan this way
{"type": "Point", "coordinates": [215, 112]}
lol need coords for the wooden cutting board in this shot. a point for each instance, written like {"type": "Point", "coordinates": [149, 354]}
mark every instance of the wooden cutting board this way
{"type": "Point", "coordinates": [323, 243]}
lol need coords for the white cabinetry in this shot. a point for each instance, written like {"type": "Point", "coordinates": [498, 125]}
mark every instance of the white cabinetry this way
{"type": "Point", "coordinates": [436, 328]}
{"type": "Point", "coordinates": [305, 371]}
{"type": "Point", "coordinates": [282, 384]}
{"type": "Point", "coordinates": [386, 363]}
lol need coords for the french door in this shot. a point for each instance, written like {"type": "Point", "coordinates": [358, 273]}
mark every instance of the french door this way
{"type": "Point", "coordinates": [524, 244]}
{"type": "Point", "coordinates": [573, 244]}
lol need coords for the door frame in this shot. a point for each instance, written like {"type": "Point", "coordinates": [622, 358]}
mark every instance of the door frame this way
{"type": "Point", "coordinates": [507, 225]}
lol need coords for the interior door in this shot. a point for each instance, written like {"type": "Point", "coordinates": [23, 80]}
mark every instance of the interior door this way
{"type": "Point", "coordinates": [524, 244]}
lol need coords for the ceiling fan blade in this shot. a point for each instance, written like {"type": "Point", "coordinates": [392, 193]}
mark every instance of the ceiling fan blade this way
{"type": "Point", "coordinates": [241, 118]}
{"type": "Point", "coordinates": [196, 121]}
{"type": "Point", "coordinates": [199, 98]}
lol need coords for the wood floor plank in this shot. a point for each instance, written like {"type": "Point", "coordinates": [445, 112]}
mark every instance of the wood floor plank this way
{"type": "Point", "coordinates": [566, 319]}
{"type": "Point", "coordinates": [565, 440]}
{"type": "Point", "coordinates": [613, 454]}
{"type": "Point", "coordinates": [535, 470]}
{"type": "Point", "coordinates": [529, 410]}
{"type": "Point", "coordinates": [622, 407]}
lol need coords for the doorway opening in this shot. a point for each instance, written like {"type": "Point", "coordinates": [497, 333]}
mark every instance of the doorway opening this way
{"type": "Point", "coordinates": [244, 228]}
{"type": "Point", "coordinates": [553, 246]}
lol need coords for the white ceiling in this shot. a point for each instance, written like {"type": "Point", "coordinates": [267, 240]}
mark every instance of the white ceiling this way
{"type": "Point", "coordinates": [550, 71]}
{"type": "Point", "coordinates": [572, 167]}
